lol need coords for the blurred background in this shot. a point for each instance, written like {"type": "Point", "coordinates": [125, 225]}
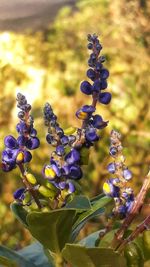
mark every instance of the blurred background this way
{"type": "Point", "coordinates": [43, 55]}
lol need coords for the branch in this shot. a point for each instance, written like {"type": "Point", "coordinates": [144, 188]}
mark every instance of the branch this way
{"type": "Point", "coordinates": [139, 230]}
{"type": "Point", "coordinates": [137, 205]}
{"type": "Point", "coordinates": [29, 187]}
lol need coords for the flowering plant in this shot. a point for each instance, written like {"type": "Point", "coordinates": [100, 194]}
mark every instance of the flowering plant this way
{"type": "Point", "coordinates": [54, 209]}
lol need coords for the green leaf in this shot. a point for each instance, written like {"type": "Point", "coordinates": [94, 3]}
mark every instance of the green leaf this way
{"type": "Point", "coordinates": [52, 229]}
{"type": "Point", "coordinates": [7, 262]}
{"type": "Point", "coordinates": [90, 240]}
{"type": "Point", "coordinates": [35, 253]}
{"type": "Point", "coordinates": [79, 203]}
{"type": "Point", "coordinates": [20, 213]}
{"type": "Point", "coordinates": [96, 210]}
{"type": "Point", "coordinates": [107, 239]}
{"type": "Point", "coordinates": [12, 255]}
{"type": "Point", "coordinates": [146, 244]}
{"type": "Point", "coordinates": [133, 255]}
{"type": "Point", "coordinates": [94, 199]}
{"type": "Point", "coordinates": [80, 256]}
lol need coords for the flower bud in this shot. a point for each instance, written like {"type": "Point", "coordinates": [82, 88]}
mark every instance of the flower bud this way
{"type": "Point", "coordinates": [31, 178]}
{"type": "Point", "coordinates": [20, 157]}
{"type": "Point", "coordinates": [46, 192]}
{"type": "Point", "coordinates": [70, 130]}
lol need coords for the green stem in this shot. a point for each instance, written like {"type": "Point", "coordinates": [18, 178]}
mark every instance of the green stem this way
{"type": "Point", "coordinates": [58, 260]}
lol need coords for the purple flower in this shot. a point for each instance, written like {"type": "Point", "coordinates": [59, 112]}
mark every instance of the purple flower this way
{"type": "Point", "coordinates": [98, 122]}
{"type": "Point", "coordinates": [21, 140]}
{"type": "Point", "coordinates": [85, 112]}
{"type": "Point", "coordinates": [96, 85]}
{"type": "Point", "coordinates": [32, 143]}
{"type": "Point", "coordinates": [27, 156]}
{"type": "Point", "coordinates": [75, 172]}
{"type": "Point", "coordinates": [10, 142]}
{"type": "Point", "coordinates": [64, 140]}
{"type": "Point", "coordinates": [6, 167]}
{"type": "Point", "coordinates": [86, 88]}
{"type": "Point", "coordinates": [60, 150]}
{"type": "Point", "coordinates": [91, 74]}
{"type": "Point", "coordinates": [104, 73]}
{"type": "Point", "coordinates": [9, 156]}
{"type": "Point", "coordinates": [105, 98]}
{"type": "Point", "coordinates": [19, 194]}
{"type": "Point", "coordinates": [91, 135]}
{"type": "Point", "coordinates": [51, 171]}
{"type": "Point", "coordinates": [62, 185]}
{"type": "Point", "coordinates": [113, 151]}
{"type": "Point", "coordinates": [71, 187]}
{"type": "Point", "coordinates": [127, 174]}
{"type": "Point", "coordinates": [111, 167]}
{"type": "Point", "coordinates": [110, 190]}
{"type": "Point", "coordinates": [22, 128]}
{"type": "Point", "coordinates": [103, 84]}
{"type": "Point", "coordinates": [72, 157]}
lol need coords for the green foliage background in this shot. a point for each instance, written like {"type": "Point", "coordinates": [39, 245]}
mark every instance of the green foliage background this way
{"type": "Point", "coordinates": [49, 66]}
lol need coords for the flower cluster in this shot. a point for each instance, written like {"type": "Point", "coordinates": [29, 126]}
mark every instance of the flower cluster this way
{"type": "Point", "coordinates": [65, 162]}
{"type": "Point", "coordinates": [98, 75]}
{"type": "Point", "coordinates": [64, 167]}
{"type": "Point", "coordinates": [116, 187]}
{"type": "Point", "coordinates": [17, 150]}
{"type": "Point", "coordinates": [71, 146]}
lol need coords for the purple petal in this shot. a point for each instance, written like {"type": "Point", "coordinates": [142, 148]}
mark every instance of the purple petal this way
{"type": "Point", "coordinates": [88, 109]}
{"type": "Point", "coordinates": [72, 157]}
{"type": "Point", "coordinates": [22, 140]}
{"type": "Point", "coordinates": [75, 172]}
{"type": "Point", "coordinates": [19, 193]}
{"type": "Point", "coordinates": [33, 143]}
{"type": "Point", "coordinates": [105, 98]}
{"type": "Point", "coordinates": [27, 156]}
{"type": "Point", "coordinates": [86, 88]}
{"type": "Point", "coordinates": [91, 74]}
{"type": "Point", "coordinates": [96, 86]}
{"type": "Point", "coordinates": [10, 142]}
{"type": "Point", "coordinates": [103, 84]}
{"type": "Point", "coordinates": [98, 122]}
{"type": "Point", "coordinates": [104, 74]}
{"type": "Point", "coordinates": [71, 188]}
{"type": "Point", "coordinates": [91, 135]}
{"type": "Point", "coordinates": [62, 185]}
{"type": "Point", "coordinates": [9, 155]}
{"type": "Point", "coordinates": [7, 167]}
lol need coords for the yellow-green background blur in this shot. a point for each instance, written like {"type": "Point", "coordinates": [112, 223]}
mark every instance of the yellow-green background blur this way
{"type": "Point", "coordinates": [49, 66]}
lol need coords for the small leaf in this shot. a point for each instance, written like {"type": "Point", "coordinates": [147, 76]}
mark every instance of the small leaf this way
{"type": "Point", "coordinates": [96, 210]}
{"type": "Point", "coordinates": [18, 259]}
{"type": "Point", "coordinates": [6, 262]}
{"type": "Point", "coordinates": [52, 229]}
{"type": "Point", "coordinates": [94, 199]}
{"type": "Point", "coordinates": [20, 213]}
{"type": "Point", "coordinates": [36, 254]}
{"type": "Point", "coordinates": [146, 244]}
{"type": "Point", "coordinates": [90, 240]}
{"type": "Point", "coordinates": [80, 256]}
{"type": "Point", "coordinates": [105, 242]}
{"type": "Point", "coordinates": [133, 255]}
{"type": "Point", "coordinates": [79, 203]}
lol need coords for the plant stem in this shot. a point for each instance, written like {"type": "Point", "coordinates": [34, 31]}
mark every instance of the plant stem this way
{"type": "Point", "coordinates": [137, 205]}
{"type": "Point", "coordinates": [29, 186]}
{"type": "Point", "coordinates": [58, 260]}
{"type": "Point", "coordinates": [139, 229]}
